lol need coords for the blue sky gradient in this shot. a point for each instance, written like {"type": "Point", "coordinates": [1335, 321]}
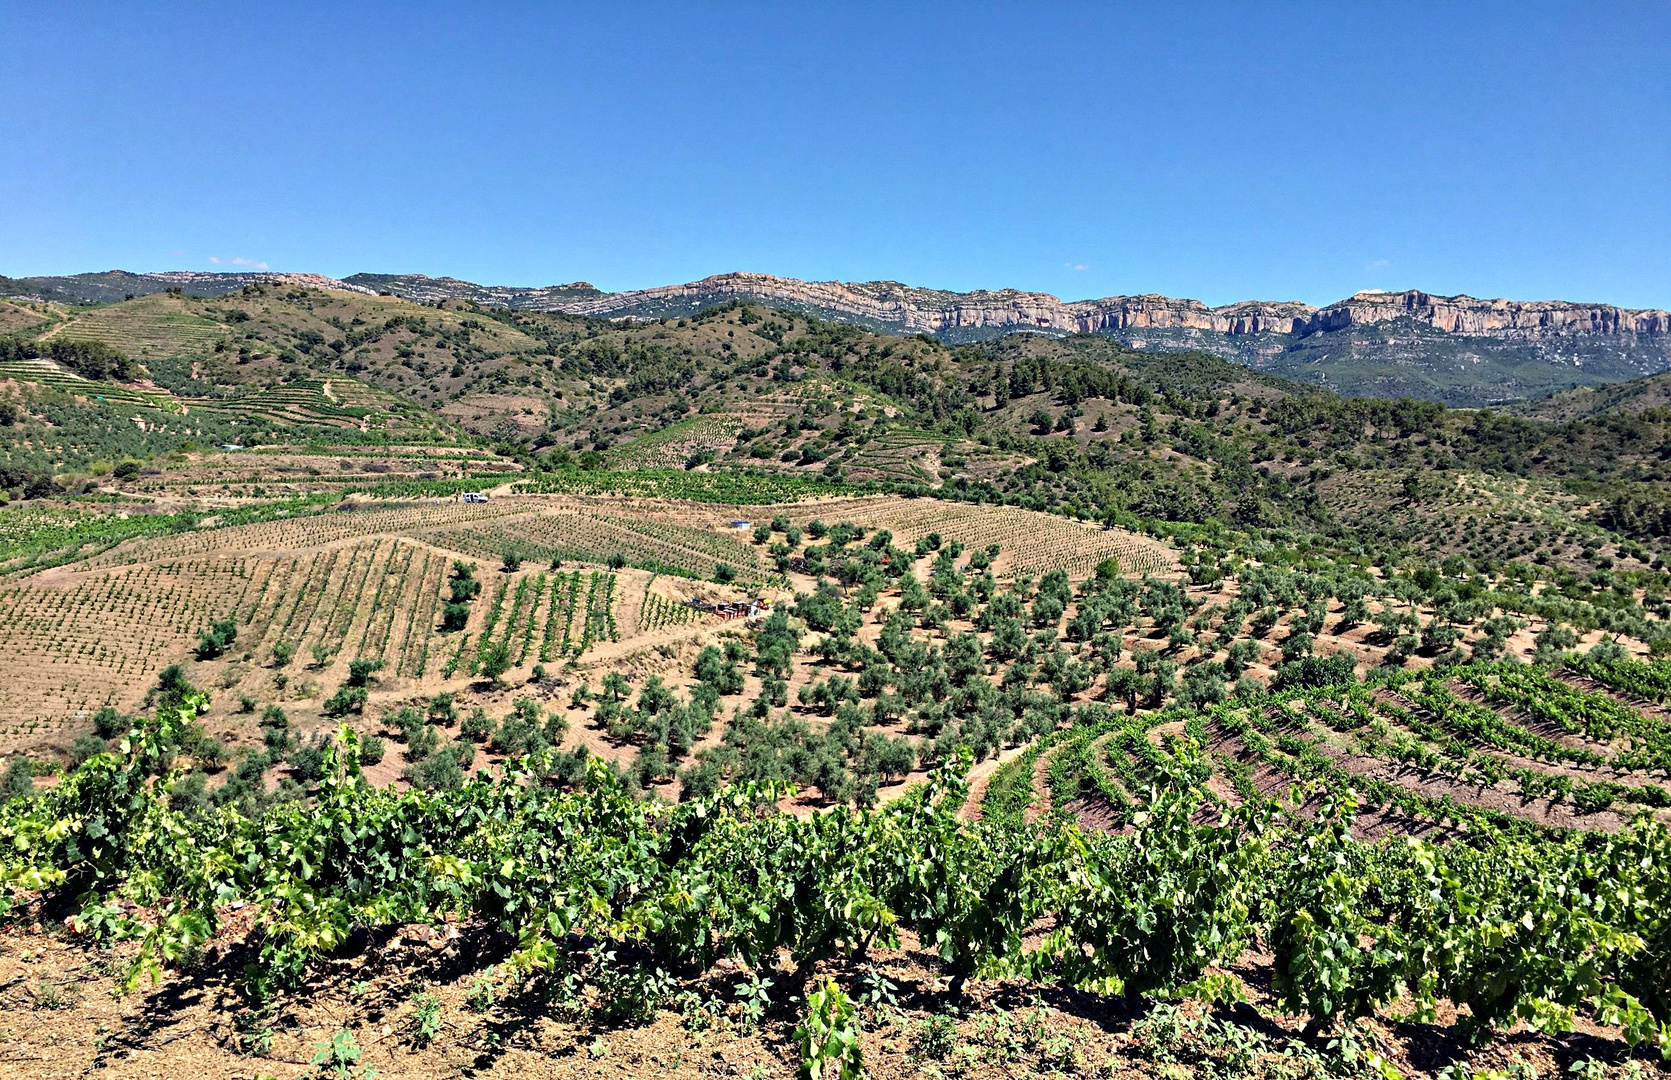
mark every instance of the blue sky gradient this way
{"type": "Point", "coordinates": [1223, 152]}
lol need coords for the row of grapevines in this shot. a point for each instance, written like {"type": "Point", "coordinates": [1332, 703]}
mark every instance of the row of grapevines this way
{"type": "Point", "coordinates": [1508, 928]}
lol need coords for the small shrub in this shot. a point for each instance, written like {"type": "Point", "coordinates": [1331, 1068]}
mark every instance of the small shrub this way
{"type": "Point", "coordinates": [19, 780]}
{"type": "Point", "coordinates": [439, 771]}
{"type": "Point", "coordinates": [340, 1057]}
{"type": "Point", "coordinates": [190, 793]}
{"type": "Point", "coordinates": [217, 639]}
{"type": "Point", "coordinates": [108, 723]}
{"type": "Point", "coordinates": [478, 725]}
{"type": "Point", "coordinates": [483, 995]}
{"type": "Point", "coordinates": [517, 737]}
{"type": "Point", "coordinates": [85, 747]}
{"type": "Point", "coordinates": [426, 1019]}
{"type": "Point", "coordinates": [828, 1037]}
{"type": "Point", "coordinates": [347, 699]}
{"type": "Point", "coordinates": [421, 742]}
{"type": "Point", "coordinates": [936, 1037]}
{"type": "Point", "coordinates": [307, 761]}
{"type": "Point", "coordinates": [496, 661]}
{"type": "Point", "coordinates": [361, 671]}
{"type": "Point", "coordinates": [211, 754]}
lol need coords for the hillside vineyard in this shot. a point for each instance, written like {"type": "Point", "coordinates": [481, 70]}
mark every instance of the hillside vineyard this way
{"type": "Point", "coordinates": [401, 676]}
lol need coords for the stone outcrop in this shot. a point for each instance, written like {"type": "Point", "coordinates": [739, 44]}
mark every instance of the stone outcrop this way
{"type": "Point", "coordinates": [897, 308]}
{"type": "Point", "coordinates": [1456, 349]}
{"type": "Point", "coordinates": [901, 308]}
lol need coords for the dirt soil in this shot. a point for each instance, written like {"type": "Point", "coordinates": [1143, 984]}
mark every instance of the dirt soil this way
{"type": "Point", "coordinates": [64, 1018]}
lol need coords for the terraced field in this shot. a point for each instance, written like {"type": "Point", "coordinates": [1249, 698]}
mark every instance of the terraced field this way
{"type": "Point", "coordinates": [71, 643]}
{"type": "Point", "coordinates": [672, 446]}
{"type": "Point", "coordinates": [1030, 542]}
{"type": "Point", "coordinates": [48, 373]}
{"type": "Point", "coordinates": [899, 455]}
{"type": "Point", "coordinates": [155, 329]}
{"type": "Point", "coordinates": [23, 317]}
{"type": "Point", "coordinates": [1584, 746]}
{"type": "Point", "coordinates": [340, 403]}
{"type": "Point", "coordinates": [1431, 754]}
{"type": "Point", "coordinates": [566, 535]}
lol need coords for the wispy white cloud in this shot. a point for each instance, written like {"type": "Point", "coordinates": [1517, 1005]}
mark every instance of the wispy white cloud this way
{"type": "Point", "coordinates": [1076, 266]}
{"type": "Point", "coordinates": [238, 260]}
{"type": "Point", "coordinates": [175, 251]}
{"type": "Point", "coordinates": [1377, 264]}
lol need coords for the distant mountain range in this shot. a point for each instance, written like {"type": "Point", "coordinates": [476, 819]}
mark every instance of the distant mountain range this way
{"type": "Point", "coordinates": [1457, 349]}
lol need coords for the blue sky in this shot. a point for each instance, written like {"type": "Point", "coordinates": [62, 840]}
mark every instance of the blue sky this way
{"type": "Point", "coordinates": [1222, 152]}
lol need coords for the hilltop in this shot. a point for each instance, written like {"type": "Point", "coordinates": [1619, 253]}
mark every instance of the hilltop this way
{"type": "Point", "coordinates": [1460, 350]}
{"type": "Point", "coordinates": [1619, 399]}
{"type": "Point", "coordinates": [1456, 349]}
{"type": "Point", "coordinates": [1081, 424]}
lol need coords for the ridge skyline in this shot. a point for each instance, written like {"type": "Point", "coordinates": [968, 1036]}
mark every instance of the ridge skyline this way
{"type": "Point", "coordinates": [881, 287]}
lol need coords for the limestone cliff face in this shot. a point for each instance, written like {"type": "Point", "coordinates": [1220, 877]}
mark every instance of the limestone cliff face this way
{"type": "Point", "coordinates": [1456, 349]}
{"type": "Point", "coordinates": [897, 307]}
{"type": "Point", "coordinates": [1513, 318]}
{"type": "Point", "coordinates": [900, 308]}
{"type": "Point", "coordinates": [891, 306]}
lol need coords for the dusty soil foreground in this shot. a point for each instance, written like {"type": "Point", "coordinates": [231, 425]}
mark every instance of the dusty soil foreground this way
{"type": "Point", "coordinates": [429, 1003]}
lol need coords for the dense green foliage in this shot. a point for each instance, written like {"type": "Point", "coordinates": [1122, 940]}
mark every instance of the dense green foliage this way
{"type": "Point", "coordinates": [1510, 927]}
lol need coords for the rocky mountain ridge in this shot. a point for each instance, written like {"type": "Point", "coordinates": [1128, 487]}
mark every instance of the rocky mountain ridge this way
{"type": "Point", "coordinates": [908, 309]}
{"type": "Point", "coordinates": [903, 308]}
{"type": "Point", "coordinates": [1460, 349]}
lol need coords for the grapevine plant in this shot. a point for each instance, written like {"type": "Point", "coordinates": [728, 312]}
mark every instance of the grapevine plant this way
{"type": "Point", "coordinates": [1515, 928]}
